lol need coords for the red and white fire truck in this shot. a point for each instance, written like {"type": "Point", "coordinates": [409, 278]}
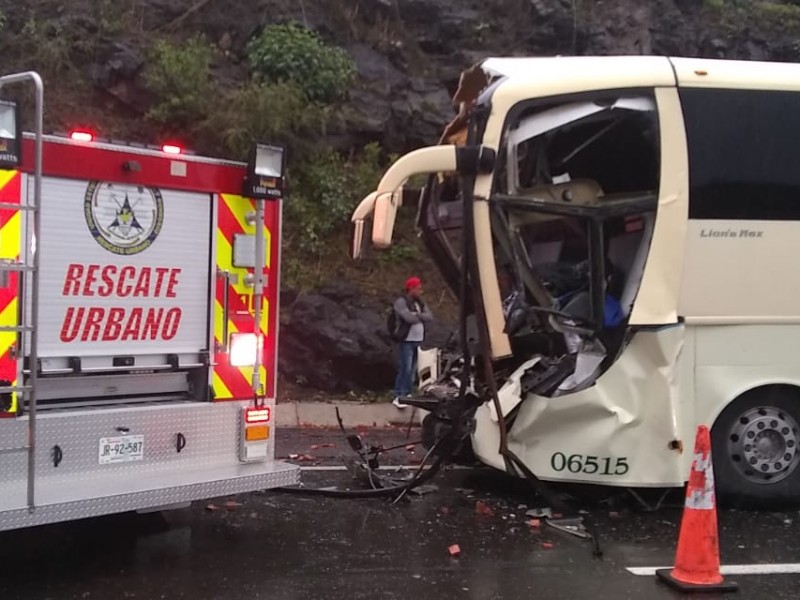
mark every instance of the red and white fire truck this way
{"type": "Point", "coordinates": [138, 324]}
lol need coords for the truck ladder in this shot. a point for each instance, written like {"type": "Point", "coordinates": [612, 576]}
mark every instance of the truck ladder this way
{"type": "Point", "coordinates": [27, 338]}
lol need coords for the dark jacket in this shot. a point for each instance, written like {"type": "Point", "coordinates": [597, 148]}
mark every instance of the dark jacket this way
{"type": "Point", "coordinates": [410, 312]}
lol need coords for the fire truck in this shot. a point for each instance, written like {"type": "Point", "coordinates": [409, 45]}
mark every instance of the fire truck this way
{"type": "Point", "coordinates": [138, 323]}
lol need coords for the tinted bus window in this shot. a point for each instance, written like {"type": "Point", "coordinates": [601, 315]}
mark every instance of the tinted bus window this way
{"type": "Point", "coordinates": [744, 154]}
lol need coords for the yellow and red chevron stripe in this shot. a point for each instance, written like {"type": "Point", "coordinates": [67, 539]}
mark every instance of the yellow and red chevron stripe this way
{"type": "Point", "coordinates": [229, 382]}
{"type": "Point", "coordinates": [10, 247]}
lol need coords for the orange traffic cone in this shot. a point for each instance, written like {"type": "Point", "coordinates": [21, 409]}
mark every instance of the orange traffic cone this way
{"type": "Point", "coordinates": [697, 558]}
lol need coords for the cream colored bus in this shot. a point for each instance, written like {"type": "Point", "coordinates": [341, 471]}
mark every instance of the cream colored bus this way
{"type": "Point", "coordinates": [629, 232]}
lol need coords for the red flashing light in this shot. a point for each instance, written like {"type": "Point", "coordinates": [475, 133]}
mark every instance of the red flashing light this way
{"type": "Point", "coordinates": [171, 149]}
{"type": "Point", "coordinates": [258, 415]}
{"type": "Point", "coordinates": [81, 136]}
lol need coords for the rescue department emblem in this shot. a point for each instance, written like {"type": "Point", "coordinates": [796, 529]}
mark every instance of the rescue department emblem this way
{"type": "Point", "coordinates": [124, 219]}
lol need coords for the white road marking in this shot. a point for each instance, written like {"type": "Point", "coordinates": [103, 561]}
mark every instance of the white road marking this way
{"type": "Point", "coordinates": [766, 569]}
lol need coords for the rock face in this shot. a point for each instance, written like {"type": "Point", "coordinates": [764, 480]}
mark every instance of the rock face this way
{"type": "Point", "coordinates": [410, 52]}
{"type": "Point", "coordinates": [335, 340]}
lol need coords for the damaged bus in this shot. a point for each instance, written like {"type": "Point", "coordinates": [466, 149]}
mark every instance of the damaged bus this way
{"type": "Point", "coordinates": [621, 234]}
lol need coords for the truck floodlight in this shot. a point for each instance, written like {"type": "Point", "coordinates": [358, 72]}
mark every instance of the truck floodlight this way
{"type": "Point", "coordinates": [244, 349]}
{"type": "Point", "coordinates": [10, 135]}
{"type": "Point", "coordinates": [265, 172]}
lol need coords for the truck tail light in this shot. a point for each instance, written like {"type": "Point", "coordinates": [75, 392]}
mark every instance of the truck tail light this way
{"type": "Point", "coordinates": [171, 149]}
{"type": "Point", "coordinates": [254, 434]}
{"type": "Point", "coordinates": [244, 347]}
{"type": "Point", "coordinates": [258, 415]}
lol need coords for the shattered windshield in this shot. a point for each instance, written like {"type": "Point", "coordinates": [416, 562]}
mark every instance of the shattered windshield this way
{"type": "Point", "coordinates": [573, 214]}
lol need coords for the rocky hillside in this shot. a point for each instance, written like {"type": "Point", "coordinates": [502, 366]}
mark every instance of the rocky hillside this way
{"type": "Point", "coordinates": [147, 69]}
{"type": "Point", "coordinates": [408, 53]}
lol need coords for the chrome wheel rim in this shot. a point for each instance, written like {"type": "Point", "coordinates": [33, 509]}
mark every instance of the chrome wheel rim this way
{"type": "Point", "coordinates": [763, 445]}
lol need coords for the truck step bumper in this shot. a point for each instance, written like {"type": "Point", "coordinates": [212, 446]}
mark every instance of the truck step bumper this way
{"type": "Point", "coordinates": [63, 498]}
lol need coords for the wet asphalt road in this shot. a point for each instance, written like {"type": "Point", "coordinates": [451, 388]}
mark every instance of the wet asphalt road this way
{"type": "Point", "coordinates": [283, 546]}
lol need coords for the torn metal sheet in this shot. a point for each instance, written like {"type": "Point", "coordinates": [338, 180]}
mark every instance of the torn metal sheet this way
{"type": "Point", "coordinates": [572, 526]}
{"type": "Point", "coordinates": [540, 513]}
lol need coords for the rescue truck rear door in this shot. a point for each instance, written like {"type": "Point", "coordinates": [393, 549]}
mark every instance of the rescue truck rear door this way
{"type": "Point", "coordinates": [124, 289]}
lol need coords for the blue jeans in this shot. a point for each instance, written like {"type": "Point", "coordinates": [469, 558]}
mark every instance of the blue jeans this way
{"type": "Point", "coordinates": [406, 368]}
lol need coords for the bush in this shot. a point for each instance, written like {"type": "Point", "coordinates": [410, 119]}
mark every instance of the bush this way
{"type": "Point", "coordinates": [324, 194]}
{"type": "Point", "coordinates": [47, 48]}
{"type": "Point", "coordinates": [277, 113]}
{"type": "Point", "coordinates": [291, 53]}
{"type": "Point", "coordinates": [179, 76]}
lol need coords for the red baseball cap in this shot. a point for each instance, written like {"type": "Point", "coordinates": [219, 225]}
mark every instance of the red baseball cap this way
{"type": "Point", "coordinates": [413, 282]}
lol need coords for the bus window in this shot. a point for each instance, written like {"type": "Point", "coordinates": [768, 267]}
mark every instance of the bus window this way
{"type": "Point", "coordinates": [743, 154]}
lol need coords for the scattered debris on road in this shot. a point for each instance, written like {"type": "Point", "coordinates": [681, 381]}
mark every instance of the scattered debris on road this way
{"type": "Point", "coordinates": [484, 509]}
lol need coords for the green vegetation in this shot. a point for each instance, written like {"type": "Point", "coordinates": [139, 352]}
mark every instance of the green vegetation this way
{"type": "Point", "coordinates": [292, 53]}
{"type": "Point", "coordinates": [179, 76]}
{"type": "Point", "coordinates": [262, 111]}
{"type": "Point", "coordinates": [48, 46]}
{"type": "Point", "coordinates": [294, 95]}
{"type": "Point", "coordinates": [327, 189]}
{"type": "Point", "coordinates": [734, 16]}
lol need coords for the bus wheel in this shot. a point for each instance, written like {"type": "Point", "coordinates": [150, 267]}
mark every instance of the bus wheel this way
{"type": "Point", "coordinates": [756, 449]}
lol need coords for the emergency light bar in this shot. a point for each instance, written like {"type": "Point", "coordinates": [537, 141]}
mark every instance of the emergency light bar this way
{"type": "Point", "coordinates": [81, 136]}
{"type": "Point", "coordinates": [86, 136]}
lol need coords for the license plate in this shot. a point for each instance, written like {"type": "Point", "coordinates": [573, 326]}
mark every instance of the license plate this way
{"type": "Point", "coordinates": [124, 448]}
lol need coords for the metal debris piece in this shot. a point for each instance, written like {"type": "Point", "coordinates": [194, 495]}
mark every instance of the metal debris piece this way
{"type": "Point", "coordinates": [540, 513]}
{"type": "Point", "coordinates": [572, 526]}
{"type": "Point", "coordinates": [421, 490]}
{"type": "Point", "coordinates": [482, 508]}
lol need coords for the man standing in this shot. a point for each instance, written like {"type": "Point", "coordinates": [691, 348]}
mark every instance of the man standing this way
{"type": "Point", "coordinates": [411, 314]}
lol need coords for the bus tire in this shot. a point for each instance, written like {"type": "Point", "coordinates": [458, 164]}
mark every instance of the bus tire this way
{"type": "Point", "coordinates": [756, 449]}
{"type": "Point", "coordinates": [433, 428]}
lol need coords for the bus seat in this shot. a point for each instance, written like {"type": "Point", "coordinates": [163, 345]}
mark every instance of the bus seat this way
{"type": "Point", "coordinates": [545, 252]}
{"type": "Point", "coordinates": [584, 192]}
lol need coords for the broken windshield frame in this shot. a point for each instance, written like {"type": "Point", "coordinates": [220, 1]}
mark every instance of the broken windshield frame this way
{"type": "Point", "coordinates": [555, 154]}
